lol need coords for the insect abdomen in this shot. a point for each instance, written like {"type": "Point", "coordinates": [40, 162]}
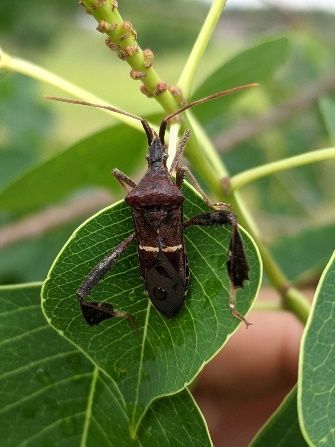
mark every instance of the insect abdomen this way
{"type": "Point", "coordinates": [162, 261]}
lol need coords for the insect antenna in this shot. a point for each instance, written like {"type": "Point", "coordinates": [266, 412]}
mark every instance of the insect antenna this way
{"type": "Point", "coordinates": [149, 132]}
{"type": "Point", "coordinates": [197, 102]}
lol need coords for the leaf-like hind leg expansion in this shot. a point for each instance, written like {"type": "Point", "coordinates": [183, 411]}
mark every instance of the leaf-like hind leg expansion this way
{"type": "Point", "coordinates": [95, 312]}
{"type": "Point", "coordinates": [237, 265]}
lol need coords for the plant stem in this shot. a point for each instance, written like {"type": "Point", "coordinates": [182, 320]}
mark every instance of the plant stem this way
{"type": "Point", "coordinates": [267, 306]}
{"type": "Point", "coordinates": [297, 303]}
{"type": "Point", "coordinates": [173, 142]}
{"type": "Point", "coordinates": [186, 78]}
{"type": "Point", "coordinates": [122, 39]}
{"type": "Point", "coordinates": [239, 180]}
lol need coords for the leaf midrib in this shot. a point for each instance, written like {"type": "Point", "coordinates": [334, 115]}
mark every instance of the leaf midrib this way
{"type": "Point", "coordinates": [88, 411]}
{"type": "Point", "coordinates": [140, 366]}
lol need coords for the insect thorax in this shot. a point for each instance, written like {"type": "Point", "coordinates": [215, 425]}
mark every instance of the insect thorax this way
{"type": "Point", "coordinates": [156, 189]}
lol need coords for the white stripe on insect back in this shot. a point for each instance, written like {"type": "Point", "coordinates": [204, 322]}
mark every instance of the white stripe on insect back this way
{"type": "Point", "coordinates": [148, 248]}
{"type": "Point", "coordinates": [169, 249]}
{"type": "Point", "coordinates": [172, 248]}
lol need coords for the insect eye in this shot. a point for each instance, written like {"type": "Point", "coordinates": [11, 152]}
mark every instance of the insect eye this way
{"type": "Point", "coordinates": [160, 293]}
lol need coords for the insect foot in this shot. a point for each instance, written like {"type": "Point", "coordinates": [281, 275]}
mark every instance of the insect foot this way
{"type": "Point", "coordinates": [234, 311]}
{"type": "Point", "coordinates": [95, 312]}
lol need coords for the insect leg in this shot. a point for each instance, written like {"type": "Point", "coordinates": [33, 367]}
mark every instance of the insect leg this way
{"type": "Point", "coordinates": [184, 170]}
{"type": "Point", "coordinates": [123, 179]}
{"type": "Point", "coordinates": [180, 150]}
{"type": "Point", "coordinates": [237, 264]}
{"type": "Point", "coordinates": [95, 312]}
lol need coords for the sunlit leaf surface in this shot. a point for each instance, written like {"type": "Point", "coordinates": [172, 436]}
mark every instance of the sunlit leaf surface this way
{"type": "Point", "coordinates": [163, 355]}
{"type": "Point", "coordinates": [52, 395]}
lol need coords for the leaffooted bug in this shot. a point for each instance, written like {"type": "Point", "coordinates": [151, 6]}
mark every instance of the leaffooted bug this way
{"type": "Point", "coordinates": [157, 209]}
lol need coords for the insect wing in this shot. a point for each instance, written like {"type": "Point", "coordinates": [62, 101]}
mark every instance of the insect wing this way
{"type": "Point", "coordinates": [165, 287]}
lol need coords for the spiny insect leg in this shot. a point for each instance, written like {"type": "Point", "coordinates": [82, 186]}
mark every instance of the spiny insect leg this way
{"type": "Point", "coordinates": [180, 150]}
{"type": "Point", "coordinates": [237, 264]}
{"type": "Point", "coordinates": [123, 179]}
{"type": "Point", "coordinates": [95, 312]}
{"type": "Point", "coordinates": [234, 311]}
{"type": "Point", "coordinates": [184, 170]}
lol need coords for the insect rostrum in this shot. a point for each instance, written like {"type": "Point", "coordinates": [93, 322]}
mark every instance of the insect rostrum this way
{"type": "Point", "coordinates": [157, 209]}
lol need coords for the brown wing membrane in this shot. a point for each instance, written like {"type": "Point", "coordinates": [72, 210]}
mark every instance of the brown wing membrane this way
{"type": "Point", "coordinates": [165, 287]}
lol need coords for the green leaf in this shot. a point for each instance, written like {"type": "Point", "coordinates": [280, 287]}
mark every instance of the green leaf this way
{"type": "Point", "coordinates": [255, 64]}
{"type": "Point", "coordinates": [174, 421]}
{"type": "Point", "coordinates": [304, 254]}
{"type": "Point", "coordinates": [163, 355]}
{"type": "Point", "coordinates": [30, 259]}
{"type": "Point", "coordinates": [87, 163]}
{"type": "Point", "coordinates": [316, 402]}
{"type": "Point", "coordinates": [327, 108]}
{"type": "Point", "coordinates": [51, 394]}
{"type": "Point", "coordinates": [282, 429]}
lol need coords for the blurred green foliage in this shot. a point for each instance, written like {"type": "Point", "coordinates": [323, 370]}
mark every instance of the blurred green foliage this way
{"type": "Point", "coordinates": [49, 152]}
{"type": "Point", "coordinates": [161, 26]}
{"type": "Point", "coordinates": [33, 24]}
{"type": "Point", "coordinates": [24, 127]}
{"type": "Point", "coordinates": [291, 204]}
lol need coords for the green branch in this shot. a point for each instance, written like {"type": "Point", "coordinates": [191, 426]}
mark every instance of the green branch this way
{"type": "Point", "coordinates": [122, 38]}
{"type": "Point", "coordinates": [267, 306]}
{"type": "Point", "coordinates": [186, 79]}
{"type": "Point", "coordinates": [239, 180]}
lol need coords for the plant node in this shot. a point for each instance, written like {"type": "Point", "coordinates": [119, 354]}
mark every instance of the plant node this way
{"type": "Point", "coordinates": [136, 74]}
{"type": "Point", "coordinates": [113, 46]}
{"type": "Point", "coordinates": [114, 5]}
{"type": "Point", "coordinates": [129, 31]}
{"type": "Point", "coordinates": [98, 4]}
{"type": "Point", "coordinates": [144, 89]}
{"type": "Point", "coordinates": [106, 27]}
{"type": "Point", "coordinates": [131, 50]}
{"type": "Point", "coordinates": [122, 54]}
{"type": "Point", "coordinates": [161, 87]}
{"type": "Point", "coordinates": [148, 58]}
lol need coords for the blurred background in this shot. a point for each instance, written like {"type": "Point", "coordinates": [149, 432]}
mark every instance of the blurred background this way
{"type": "Point", "coordinates": [287, 46]}
{"type": "Point", "coordinates": [293, 112]}
{"type": "Point", "coordinates": [295, 103]}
